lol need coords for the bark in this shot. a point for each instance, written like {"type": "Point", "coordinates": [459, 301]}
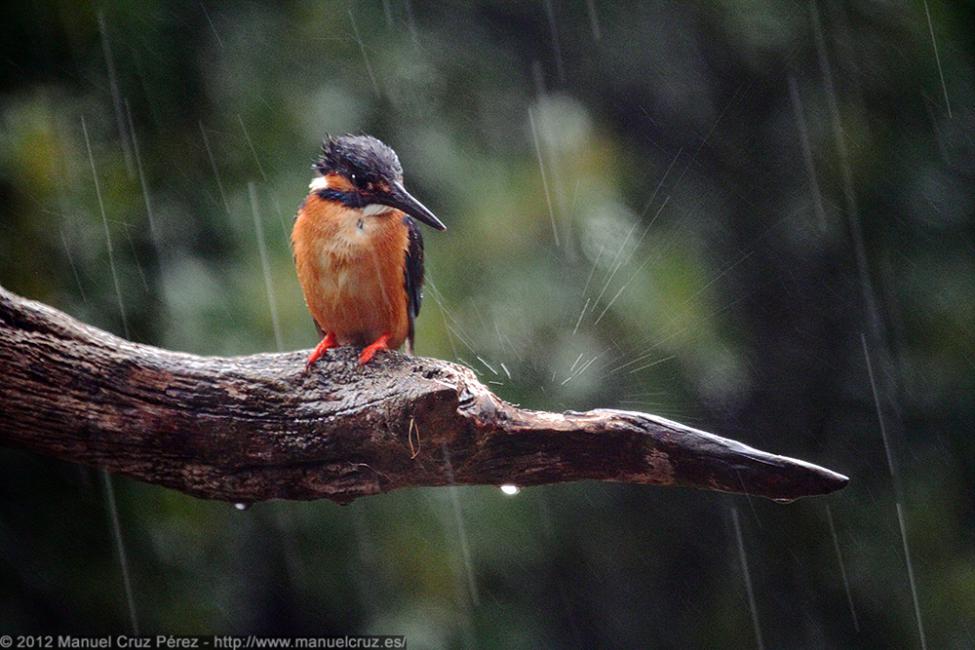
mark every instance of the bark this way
{"type": "Point", "coordinates": [261, 427]}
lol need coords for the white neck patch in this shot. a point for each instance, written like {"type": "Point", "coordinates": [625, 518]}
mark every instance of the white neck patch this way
{"type": "Point", "coordinates": [318, 183]}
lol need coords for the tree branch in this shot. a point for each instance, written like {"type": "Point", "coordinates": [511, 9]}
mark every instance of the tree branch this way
{"type": "Point", "coordinates": [260, 427]}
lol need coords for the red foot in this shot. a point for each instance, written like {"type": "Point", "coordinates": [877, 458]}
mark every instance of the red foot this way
{"type": "Point", "coordinates": [382, 343]}
{"type": "Point", "coordinates": [328, 342]}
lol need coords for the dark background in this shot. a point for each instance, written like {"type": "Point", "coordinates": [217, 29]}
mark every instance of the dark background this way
{"type": "Point", "coordinates": [718, 212]}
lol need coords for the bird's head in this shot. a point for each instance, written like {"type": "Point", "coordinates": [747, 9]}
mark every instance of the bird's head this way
{"type": "Point", "coordinates": [361, 172]}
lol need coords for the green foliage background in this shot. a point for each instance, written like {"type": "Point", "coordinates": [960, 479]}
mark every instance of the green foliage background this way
{"type": "Point", "coordinates": [634, 223]}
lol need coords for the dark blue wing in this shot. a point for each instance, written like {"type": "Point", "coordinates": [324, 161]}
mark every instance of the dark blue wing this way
{"type": "Point", "coordinates": [414, 276]}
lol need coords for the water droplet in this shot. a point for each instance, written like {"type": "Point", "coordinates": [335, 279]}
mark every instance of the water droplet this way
{"type": "Point", "coordinates": [783, 500]}
{"type": "Point", "coordinates": [510, 490]}
{"type": "Point", "coordinates": [242, 506]}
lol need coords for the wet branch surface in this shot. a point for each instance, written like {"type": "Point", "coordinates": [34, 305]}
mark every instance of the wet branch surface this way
{"type": "Point", "coordinates": [260, 427]}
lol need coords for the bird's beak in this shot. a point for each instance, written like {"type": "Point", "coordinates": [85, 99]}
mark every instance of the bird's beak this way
{"type": "Point", "coordinates": [397, 197]}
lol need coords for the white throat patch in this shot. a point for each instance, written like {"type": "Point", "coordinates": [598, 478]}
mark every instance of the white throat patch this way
{"type": "Point", "coordinates": [373, 209]}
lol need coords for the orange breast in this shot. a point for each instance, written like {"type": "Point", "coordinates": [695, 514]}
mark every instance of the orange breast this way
{"type": "Point", "coordinates": [351, 270]}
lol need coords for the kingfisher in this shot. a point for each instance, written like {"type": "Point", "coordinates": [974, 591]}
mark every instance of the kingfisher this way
{"type": "Point", "coordinates": [358, 250]}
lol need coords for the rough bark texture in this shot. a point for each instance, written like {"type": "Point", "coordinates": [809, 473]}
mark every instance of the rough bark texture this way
{"type": "Point", "coordinates": [260, 427]}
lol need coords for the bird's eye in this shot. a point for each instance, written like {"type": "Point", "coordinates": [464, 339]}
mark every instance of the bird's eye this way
{"type": "Point", "coordinates": [358, 180]}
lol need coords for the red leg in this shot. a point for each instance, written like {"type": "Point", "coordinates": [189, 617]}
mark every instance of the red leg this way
{"type": "Point", "coordinates": [382, 343]}
{"type": "Point", "coordinates": [328, 342]}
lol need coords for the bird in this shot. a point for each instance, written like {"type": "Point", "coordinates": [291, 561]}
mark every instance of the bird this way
{"type": "Point", "coordinates": [358, 249]}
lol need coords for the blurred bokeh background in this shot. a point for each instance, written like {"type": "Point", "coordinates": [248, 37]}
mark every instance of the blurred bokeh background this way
{"type": "Point", "coordinates": [753, 217]}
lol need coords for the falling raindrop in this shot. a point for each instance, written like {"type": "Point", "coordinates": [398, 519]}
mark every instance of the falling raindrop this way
{"type": "Point", "coordinates": [365, 57]}
{"type": "Point", "coordinates": [113, 85]}
{"type": "Point", "coordinates": [510, 490]}
{"type": "Point", "coordinates": [937, 58]}
{"type": "Point", "coordinates": [541, 167]}
{"type": "Point", "coordinates": [748, 580]}
{"type": "Point", "coordinates": [108, 234]}
{"type": "Point", "coordinates": [213, 166]}
{"type": "Point", "coordinates": [465, 550]}
{"type": "Point", "coordinates": [240, 505]}
{"type": "Point", "coordinates": [265, 265]}
{"type": "Point", "coordinates": [839, 557]}
{"type": "Point", "coordinates": [120, 549]}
